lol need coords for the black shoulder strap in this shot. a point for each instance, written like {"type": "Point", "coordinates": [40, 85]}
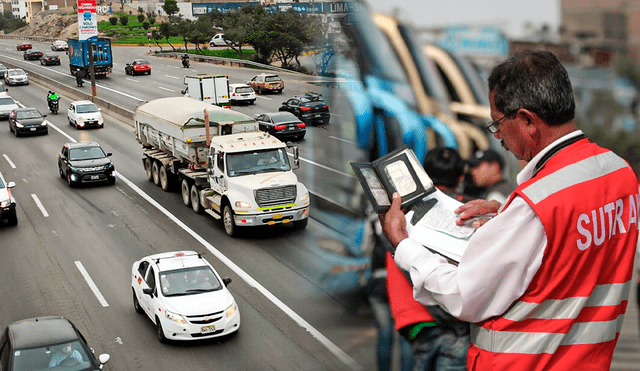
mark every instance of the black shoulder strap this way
{"type": "Point", "coordinates": [557, 148]}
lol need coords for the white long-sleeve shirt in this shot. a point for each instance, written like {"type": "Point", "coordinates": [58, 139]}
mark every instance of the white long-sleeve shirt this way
{"type": "Point", "coordinates": [496, 268]}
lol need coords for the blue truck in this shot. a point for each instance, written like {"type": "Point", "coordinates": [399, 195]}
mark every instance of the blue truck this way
{"type": "Point", "coordinates": [79, 55]}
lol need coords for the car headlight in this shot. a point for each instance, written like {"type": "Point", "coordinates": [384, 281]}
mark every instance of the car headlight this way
{"type": "Point", "coordinates": [174, 317]}
{"type": "Point", "coordinates": [19, 125]}
{"type": "Point", "coordinates": [232, 309]}
{"type": "Point", "coordinates": [305, 197]}
{"type": "Point", "coordinates": [74, 169]}
{"type": "Point", "coordinates": [44, 123]}
{"type": "Point", "coordinates": [5, 203]}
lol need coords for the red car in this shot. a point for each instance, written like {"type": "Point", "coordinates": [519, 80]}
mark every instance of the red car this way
{"type": "Point", "coordinates": [137, 67]}
{"type": "Point", "coordinates": [24, 46]}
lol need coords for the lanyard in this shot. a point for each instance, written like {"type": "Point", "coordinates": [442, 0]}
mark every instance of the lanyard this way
{"type": "Point", "coordinates": [554, 150]}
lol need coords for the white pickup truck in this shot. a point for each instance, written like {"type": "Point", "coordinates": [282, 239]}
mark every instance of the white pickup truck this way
{"type": "Point", "coordinates": [221, 163]}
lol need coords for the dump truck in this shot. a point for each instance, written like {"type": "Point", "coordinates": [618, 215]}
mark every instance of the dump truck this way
{"type": "Point", "coordinates": [221, 164]}
{"type": "Point", "coordinates": [209, 88]}
{"type": "Point", "coordinates": [79, 55]}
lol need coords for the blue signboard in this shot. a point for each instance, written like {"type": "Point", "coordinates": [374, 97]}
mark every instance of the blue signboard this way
{"type": "Point", "coordinates": [341, 7]}
{"type": "Point", "coordinates": [483, 40]}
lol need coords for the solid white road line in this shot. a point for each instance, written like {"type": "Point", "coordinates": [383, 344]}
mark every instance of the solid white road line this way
{"type": "Point", "coordinates": [91, 284]}
{"type": "Point", "coordinates": [40, 206]}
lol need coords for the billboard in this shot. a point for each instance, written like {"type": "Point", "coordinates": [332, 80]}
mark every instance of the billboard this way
{"type": "Point", "coordinates": [87, 19]}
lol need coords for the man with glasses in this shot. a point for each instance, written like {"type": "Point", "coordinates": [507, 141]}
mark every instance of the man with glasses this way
{"type": "Point", "coordinates": [545, 282]}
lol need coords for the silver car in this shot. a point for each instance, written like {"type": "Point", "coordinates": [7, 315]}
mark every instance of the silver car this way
{"type": "Point", "coordinates": [7, 104]}
{"type": "Point", "coordinates": [16, 76]}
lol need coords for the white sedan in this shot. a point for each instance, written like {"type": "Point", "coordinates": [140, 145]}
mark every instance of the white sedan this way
{"type": "Point", "coordinates": [59, 45]}
{"type": "Point", "coordinates": [7, 104]}
{"type": "Point", "coordinates": [84, 114]}
{"type": "Point", "coordinates": [184, 296]}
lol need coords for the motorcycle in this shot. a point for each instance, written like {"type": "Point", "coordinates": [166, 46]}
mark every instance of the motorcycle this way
{"type": "Point", "coordinates": [79, 81]}
{"type": "Point", "coordinates": [53, 105]}
{"type": "Point", "coordinates": [185, 63]}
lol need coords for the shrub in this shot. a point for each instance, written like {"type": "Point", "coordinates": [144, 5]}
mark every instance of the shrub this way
{"type": "Point", "coordinates": [145, 25]}
{"type": "Point", "coordinates": [113, 20]}
{"type": "Point", "coordinates": [124, 20]}
{"type": "Point", "coordinates": [140, 18]}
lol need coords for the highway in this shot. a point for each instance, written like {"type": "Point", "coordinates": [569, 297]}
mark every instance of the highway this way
{"type": "Point", "coordinates": [296, 290]}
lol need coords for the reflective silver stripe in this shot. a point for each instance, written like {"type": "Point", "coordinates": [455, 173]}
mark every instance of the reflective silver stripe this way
{"type": "Point", "coordinates": [610, 294]}
{"type": "Point", "coordinates": [582, 171]}
{"type": "Point", "coordinates": [539, 343]}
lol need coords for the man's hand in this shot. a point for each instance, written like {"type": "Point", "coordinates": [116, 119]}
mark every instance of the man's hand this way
{"type": "Point", "coordinates": [482, 210]}
{"type": "Point", "coordinates": [394, 224]}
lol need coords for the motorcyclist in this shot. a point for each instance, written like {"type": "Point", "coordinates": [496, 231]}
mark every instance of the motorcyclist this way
{"type": "Point", "coordinates": [52, 96]}
{"type": "Point", "coordinates": [185, 60]}
{"type": "Point", "coordinates": [79, 77]}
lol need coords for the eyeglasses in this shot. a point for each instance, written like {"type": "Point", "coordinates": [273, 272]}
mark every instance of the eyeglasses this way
{"type": "Point", "coordinates": [492, 126]}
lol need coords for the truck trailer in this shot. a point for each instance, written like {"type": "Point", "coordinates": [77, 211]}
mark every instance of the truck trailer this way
{"type": "Point", "coordinates": [209, 88]}
{"type": "Point", "coordinates": [221, 163]}
{"type": "Point", "coordinates": [79, 55]}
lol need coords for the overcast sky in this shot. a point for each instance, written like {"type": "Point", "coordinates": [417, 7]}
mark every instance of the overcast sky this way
{"type": "Point", "coordinates": [509, 15]}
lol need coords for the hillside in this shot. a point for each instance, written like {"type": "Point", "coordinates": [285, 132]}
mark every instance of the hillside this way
{"type": "Point", "coordinates": [60, 23]}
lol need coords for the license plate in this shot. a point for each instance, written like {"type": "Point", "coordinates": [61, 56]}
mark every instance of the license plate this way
{"type": "Point", "coordinates": [32, 129]}
{"type": "Point", "coordinates": [207, 329]}
{"type": "Point", "coordinates": [318, 115]}
{"type": "Point", "coordinates": [95, 177]}
{"type": "Point", "coordinates": [278, 216]}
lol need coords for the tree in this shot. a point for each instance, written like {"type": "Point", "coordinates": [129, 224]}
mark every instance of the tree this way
{"type": "Point", "coordinates": [199, 32]}
{"type": "Point", "coordinates": [140, 17]}
{"type": "Point", "coordinates": [170, 7]}
{"type": "Point", "coordinates": [168, 30]}
{"type": "Point", "coordinates": [113, 20]}
{"type": "Point", "coordinates": [157, 37]}
{"type": "Point", "coordinates": [124, 20]}
{"type": "Point", "coordinates": [145, 25]}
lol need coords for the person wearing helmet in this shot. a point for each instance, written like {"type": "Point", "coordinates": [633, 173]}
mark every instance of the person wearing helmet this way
{"type": "Point", "coordinates": [185, 60]}
{"type": "Point", "coordinates": [52, 98]}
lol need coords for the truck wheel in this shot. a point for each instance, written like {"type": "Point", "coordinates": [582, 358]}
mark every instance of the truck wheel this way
{"type": "Point", "coordinates": [165, 179]}
{"type": "Point", "coordinates": [184, 190]}
{"type": "Point", "coordinates": [148, 162]}
{"type": "Point", "coordinates": [155, 171]}
{"type": "Point", "coordinates": [300, 224]}
{"type": "Point", "coordinates": [195, 199]}
{"type": "Point", "coordinates": [227, 221]}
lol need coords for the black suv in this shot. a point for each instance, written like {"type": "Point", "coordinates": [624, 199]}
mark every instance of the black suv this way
{"type": "Point", "coordinates": [310, 108]}
{"type": "Point", "coordinates": [46, 342]}
{"type": "Point", "coordinates": [85, 162]}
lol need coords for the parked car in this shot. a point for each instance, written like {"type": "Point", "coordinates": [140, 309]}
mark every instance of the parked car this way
{"type": "Point", "coordinates": [32, 55]}
{"type": "Point", "coordinates": [45, 343]}
{"type": "Point", "coordinates": [84, 163]}
{"type": "Point", "coordinates": [27, 121]}
{"type": "Point", "coordinates": [282, 125]}
{"type": "Point", "coordinates": [59, 45]}
{"type": "Point", "coordinates": [83, 114]}
{"type": "Point", "coordinates": [7, 104]}
{"type": "Point", "coordinates": [241, 93]}
{"type": "Point", "coordinates": [50, 59]}
{"type": "Point", "coordinates": [24, 46]}
{"type": "Point", "coordinates": [7, 202]}
{"type": "Point", "coordinates": [310, 108]}
{"type": "Point", "coordinates": [266, 82]}
{"type": "Point", "coordinates": [219, 40]}
{"type": "Point", "coordinates": [184, 296]}
{"type": "Point", "coordinates": [3, 70]}
{"type": "Point", "coordinates": [137, 67]}
{"type": "Point", "coordinates": [16, 76]}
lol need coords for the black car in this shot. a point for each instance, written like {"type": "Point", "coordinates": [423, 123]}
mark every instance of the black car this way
{"type": "Point", "coordinates": [282, 125]}
{"type": "Point", "coordinates": [32, 55]}
{"type": "Point", "coordinates": [50, 59]}
{"type": "Point", "coordinates": [309, 107]}
{"type": "Point", "coordinates": [3, 70]}
{"type": "Point", "coordinates": [27, 121]}
{"type": "Point", "coordinates": [45, 343]}
{"type": "Point", "coordinates": [85, 162]}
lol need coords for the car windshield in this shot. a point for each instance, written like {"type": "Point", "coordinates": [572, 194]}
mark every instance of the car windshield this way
{"type": "Point", "coordinates": [140, 62]}
{"type": "Point", "coordinates": [86, 108]}
{"type": "Point", "coordinates": [16, 72]}
{"type": "Point", "coordinates": [6, 101]}
{"type": "Point", "coordinates": [1, 183]}
{"type": "Point", "coordinates": [70, 356]}
{"type": "Point", "coordinates": [86, 153]}
{"type": "Point", "coordinates": [272, 78]}
{"type": "Point", "coordinates": [2, 88]}
{"type": "Point", "coordinates": [188, 281]}
{"type": "Point", "coordinates": [30, 114]}
{"type": "Point", "coordinates": [283, 118]}
{"type": "Point", "coordinates": [244, 89]}
{"type": "Point", "coordinates": [257, 162]}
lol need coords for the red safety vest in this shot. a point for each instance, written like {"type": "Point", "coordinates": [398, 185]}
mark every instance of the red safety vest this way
{"type": "Point", "coordinates": [405, 310]}
{"type": "Point", "coordinates": [569, 317]}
